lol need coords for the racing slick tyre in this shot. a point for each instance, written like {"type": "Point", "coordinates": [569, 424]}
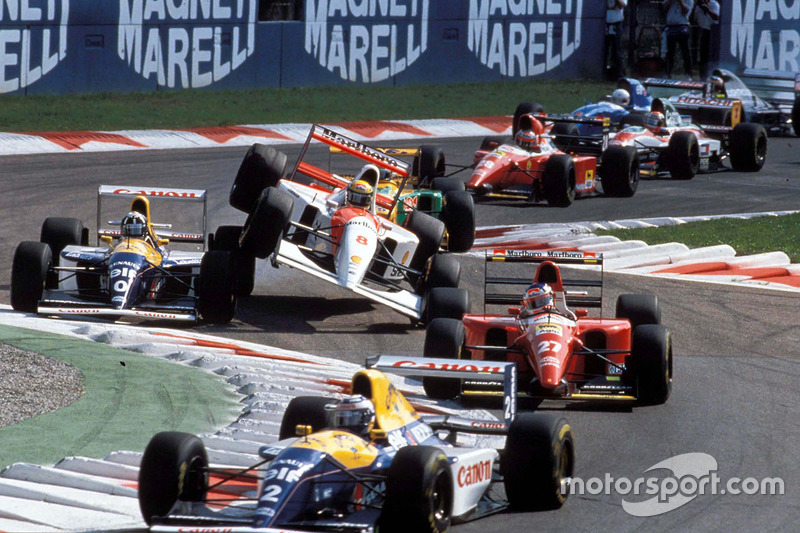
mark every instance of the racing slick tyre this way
{"type": "Point", "coordinates": [650, 363]}
{"type": "Point", "coordinates": [419, 491]}
{"type": "Point", "coordinates": [620, 171]}
{"type": "Point", "coordinates": [538, 459]}
{"type": "Point", "coordinates": [558, 180]}
{"type": "Point", "coordinates": [441, 271]}
{"type": "Point", "coordinates": [445, 338]}
{"type": "Point", "coordinates": [226, 238]}
{"type": "Point", "coordinates": [267, 223]}
{"type": "Point", "coordinates": [634, 118]}
{"type": "Point", "coordinates": [796, 116]}
{"type": "Point", "coordinates": [58, 233]}
{"type": "Point", "coordinates": [445, 185]}
{"type": "Point", "coordinates": [683, 155]}
{"type": "Point", "coordinates": [430, 232]}
{"type": "Point", "coordinates": [524, 108]}
{"type": "Point", "coordinates": [446, 302]}
{"type": "Point", "coordinates": [748, 150]}
{"type": "Point", "coordinates": [639, 309]}
{"type": "Point", "coordinates": [305, 410]}
{"type": "Point", "coordinates": [429, 164]}
{"type": "Point", "coordinates": [458, 215]}
{"type": "Point", "coordinates": [262, 167]}
{"type": "Point", "coordinates": [569, 129]}
{"type": "Point", "coordinates": [491, 142]}
{"type": "Point", "coordinates": [216, 301]}
{"type": "Point", "coordinates": [31, 264]}
{"type": "Point", "coordinates": [174, 468]}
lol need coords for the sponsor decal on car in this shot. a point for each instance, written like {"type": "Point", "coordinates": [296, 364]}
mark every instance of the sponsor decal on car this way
{"type": "Point", "coordinates": [455, 367]}
{"type": "Point", "coordinates": [555, 329]}
{"type": "Point", "coordinates": [475, 473]}
{"type": "Point", "coordinates": [157, 192]}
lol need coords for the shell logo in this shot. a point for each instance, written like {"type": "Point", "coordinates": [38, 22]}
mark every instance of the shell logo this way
{"type": "Point", "coordinates": [355, 259]}
{"type": "Point", "coordinates": [405, 258]}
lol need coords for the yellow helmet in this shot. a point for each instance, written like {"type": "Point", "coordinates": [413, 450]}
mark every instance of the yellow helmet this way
{"type": "Point", "coordinates": [359, 193]}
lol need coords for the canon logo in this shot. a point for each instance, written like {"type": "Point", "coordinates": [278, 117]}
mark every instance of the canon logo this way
{"type": "Point", "coordinates": [472, 474]}
{"type": "Point", "coordinates": [177, 194]}
{"type": "Point", "coordinates": [456, 367]}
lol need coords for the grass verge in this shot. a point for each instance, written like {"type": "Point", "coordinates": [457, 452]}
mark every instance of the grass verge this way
{"type": "Point", "coordinates": [203, 108]}
{"type": "Point", "coordinates": [750, 236]}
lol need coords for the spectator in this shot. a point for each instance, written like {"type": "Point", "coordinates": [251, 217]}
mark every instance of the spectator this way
{"type": "Point", "coordinates": [706, 13]}
{"type": "Point", "coordinates": [678, 32]}
{"type": "Point", "coordinates": [614, 18]}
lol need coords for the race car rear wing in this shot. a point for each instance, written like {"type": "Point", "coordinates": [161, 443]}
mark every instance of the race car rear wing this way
{"type": "Point", "coordinates": [197, 197]}
{"type": "Point", "coordinates": [581, 144]}
{"type": "Point", "coordinates": [487, 371]}
{"type": "Point", "coordinates": [778, 87]}
{"type": "Point", "coordinates": [552, 276]}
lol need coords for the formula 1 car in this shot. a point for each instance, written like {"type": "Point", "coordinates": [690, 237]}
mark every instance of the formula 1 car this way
{"type": "Point", "coordinates": [543, 171]}
{"type": "Point", "coordinates": [310, 221]}
{"type": "Point", "coordinates": [562, 354]}
{"type": "Point", "coordinates": [366, 462]}
{"type": "Point", "coordinates": [133, 275]}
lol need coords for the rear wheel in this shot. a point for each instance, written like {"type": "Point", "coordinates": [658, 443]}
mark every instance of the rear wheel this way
{"type": "Point", "coordinates": [419, 491]}
{"type": "Point", "coordinates": [267, 223]}
{"type": "Point", "coordinates": [226, 238]}
{"type": "Point", "coordinates": [441, 271]}
{"type": "Point", "coordinates": [445, 338]}
{"type": "Point", "coordinates": [306, 411]}
{"type": "Point", "coordinates": [216, 301]}
{"type": "Point", "coordinates": [558, 180]}
{"type": "Point", "coordinates": [620, 171]}
{"type": "Point", "coordinates": [748, 149]}
{"type": "Point", "coordinates": [562, 129]}
{"type": "Point", "coordinates": [429, 164]}
{"type": "Point", "coordinates": [524, 108]}
{"type": "Point", "coordinates": [262, 167]}
{"type": "Point", "coordinates": [446, 185]}
{"type": "Point", "coordinates": [683, 155]}
{"type": "Point", "coordinates": [446, 302]}
{"type": "Point", "coordinates": [58, 233]}
{"type": "Point", "coordinates": [458, 215]}
{"type": "Point", "coordinates": [539, 461]}
{"type": "Point", "coordinates": [796, 116]}
{"type": "Point", "coordinates": [639, 309]}
{"type": "Point", "coordinates": [634, 118]}
{"type": "Point", "coordinates": [650, 363]}
{"type": "Point", "coordinates": [32, 261]}
{"type": "Point", "coordinates": [430, 232]}
{"type": "Point", "coordinates": [174, 467]}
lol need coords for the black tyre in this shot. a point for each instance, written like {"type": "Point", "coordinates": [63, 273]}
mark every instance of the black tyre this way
{"type": "Point", "coordinates": [796, 116]}
{"type": "Point", "coordinates": [446, 302]}
{"type": "Point", "coordinates": [445, 338]}
{"type": "Point", "coordinates": [226, 238]}
{"type": "Point", "coordinates": [748, 150]}
{"type": "Point", "coordinates": [620, 171]}
{"type": "Point", "coordinates": [493, 141]}
{"type": "Point", "coordinates": [441, 271]}
{"type": "Point", "coordinates": [262, 167]}
{"type": "Point", "coordinates": [215, 299]}
{"type": "Point", "coordinates": [639, 309]}
{"type": "Point", "coordinates": [58, 233]}
{"type": "Point", "coordinates": [446, 185]}
{"type": "Point", "coordinates": [524, 108]}
{"type": "Point", "coordinates": [429, 231]}
{"type": "Point", "coordinates": [558, 180]}
{"type": "Point", "coordinates": [683, 155]}
{"type": "Point", "coordinates": [650, 363]}
{"type": "Point", "coordinates": [174, 467]}
{"type": "Point", "coordinates": [266, 225]}
{"type": "Point", "coordinates": [32, 262]}
{"type": "Point", "coordinates": [634, 118]}
{"type": "Point", "coordinates": [419, 491]}
{"type": "Point", "coordinates": [304, 410]}
{"type": "Point", "coordinates": [539, 458]}
{"type": "Point", "coordinates": [560, 129]}
{"type": "Point", "coordinates": [429, 164]}
{"type": "Point", "coordinates": [458, 215]}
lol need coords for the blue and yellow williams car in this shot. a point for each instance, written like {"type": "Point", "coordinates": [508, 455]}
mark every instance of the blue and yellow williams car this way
{"type": "Point", "coordinates": [402, 473]}
{"type": "Point", "coordinates": [131, 274]}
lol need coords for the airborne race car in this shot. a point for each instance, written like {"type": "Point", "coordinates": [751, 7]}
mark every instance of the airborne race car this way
{"type": "Point", "coordinates": [309, 227]}
{"type": "Point", "coordinates": [562, 354]}
{"type": "Point", "coordinates": [395, 472]}
{"type": "Point", "coordinates": [131, 276]}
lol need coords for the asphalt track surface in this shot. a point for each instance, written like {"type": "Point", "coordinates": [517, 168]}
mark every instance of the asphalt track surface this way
{"type": "Point", "coordinates": [736, 367]}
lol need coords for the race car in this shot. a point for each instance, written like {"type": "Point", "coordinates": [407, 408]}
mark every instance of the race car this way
{"type": "Point", "coordinates": [133, 274]}
{"type": "Point", "coordinates": [363, 463]}
{"type": "Point", "coordinates": [536, 169]}
{"type": "Point", "coordinates": [562, 353]}
{"type": "Point", "coordinates": [329, 226]}
{"type": "Point", "coordinates": [668, 142]}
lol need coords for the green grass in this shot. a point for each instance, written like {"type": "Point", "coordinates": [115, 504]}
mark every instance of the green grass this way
{"type": "Point", "coordinates": [753, 236]}
{"type": "Point", "coordinates": [199, 108]}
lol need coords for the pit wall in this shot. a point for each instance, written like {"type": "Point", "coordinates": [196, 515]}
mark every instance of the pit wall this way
{"type": "Point", "coordinates": [78, 46]}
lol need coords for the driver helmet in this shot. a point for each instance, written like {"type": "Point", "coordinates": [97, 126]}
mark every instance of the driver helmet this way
{"type": "Point", "coordinates": [355, 414]}
{"type": "Point", "coordinates": [538, 296]}
{"type": "Point", "coordinates": [716, 85]}
{"type": "Point", "coordinates": [359, 193]}
{"type": "Point", "coordinates": [621, 97]}
{"type": "Point", "coordinates": [654, 121]}
{"type": "Point", "coordinates": [134, 224]}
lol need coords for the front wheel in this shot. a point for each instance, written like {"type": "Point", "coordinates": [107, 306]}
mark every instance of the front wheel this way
{"type": "Point", "coordinates": [226, 238]}
{"type": "Point", "coordinates": [266, 225]}
{"type": "Point", "coordinates": [796, 116]}
{"type": "Point", "coordinates": [430, 232]}
{"type": "Point", "coordinates": [216, 300]}
{"type": "Point", "coordinates": [683, 155]}
{"type": "Point", "coordinates": [446, 302]}
{"type": "Point", "coordinates": [262, 167]}
{"type": "Point", "coordinates": [31, 264]}
{"type": "Point", "coordinates": [639, 309]}
{"type": "Point", "coordinates": [174, 467]}
{"type": "Point", "coordinates": [445, 338]}
{"type": "Point", "coordinates": [650, 363]}
{"type": "Point", "coordinates": [620, 171]}
{"type": "Point", "coordinates": [748, 150]}
{"type": "Point", "coordinates": [458, 215]}
{"type": "Point", "coordinates": [558, 180]}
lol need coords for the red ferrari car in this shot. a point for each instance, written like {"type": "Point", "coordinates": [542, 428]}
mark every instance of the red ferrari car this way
{"type": "Point", "coordinates": [535, 168]}
{"type": "Point", "coordinates": [561, 353]}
